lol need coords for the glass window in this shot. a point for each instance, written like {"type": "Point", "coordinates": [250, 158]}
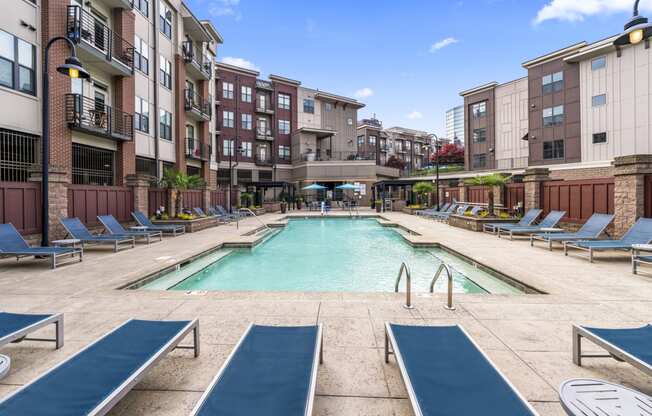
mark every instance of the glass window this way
{"type": "Point", "coordinates": [165, 17]}
{"type": "Point", "coordinates": [247, 149]}
{"type": "Point", "coordinates": [227, 90]}
{"type": "Point", "coordinates": [361, 141]}
{"type": "Point", "coordinates": [552, 82]}
{"type": "Point", "coordinates": [599, 138]}
{"type": "Point", "coordinates": [141, 55]}
{"type": "Point", "coordinates": [284, 152]}
{"type": "Point", "coordinates": [553, 149]}
{"type": "Point", "coordinates": [329, 107]}
{"type": "Point", "coordinates": [7, 49]}
{"type": "Point", "coordinates": [17, 57]}
{"type": "Point", "coordinates": [599, 63]}
{"type": "Point", "coordinates": [227, 147]}
{"type": "Point", "coordinates": [553, 116]}
{"type": "Point", "coordinates": [479, 110]}
{"type": "Point", "coordinates": [479, 161]}
{"type": "Point", "coordinates": [141, 115]}
{"type": "Point", "coordinates": [246, 121]}
{"type": "Point", "coordinates": [309, 106]}
{"type": "Point", "coordinates": [165, 124]}
{"type": "Point", "coordinates": [166, 73]}
{"type": "Point", "coordinates": [284, 101]}
{"type": "Point", "coordinates": [599, 100]}
{"type": "Point", "coordinates": [372, 141]}
{"type": "Point", "coordinates": [246, 94]}
{"type": "Point", "coordinates": [142, 6]}
{"type": "Point", "coordinates": [228, 119]}
{"type": "Point", "coordinates": [283, 127]}
{"type": "Point", "coordinates": [479, 135]}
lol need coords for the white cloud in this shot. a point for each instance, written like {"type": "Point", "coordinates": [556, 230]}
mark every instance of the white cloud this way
{"type": "Point", "coordinates": [364, 92]}
{"type": "Point", "coordinates": [578, 10]}
{"type": "Point", "coordinates": [224, 8]}
{"type": "Point", "coordinates": [442, 44]}
{"type": "Point", "coordinates": [415, 115]}
{"type": "Point", "coordinates": [242, 63]}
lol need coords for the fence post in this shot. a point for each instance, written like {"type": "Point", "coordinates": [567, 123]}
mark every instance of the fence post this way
{"type": "Point", "coordinates": [140, 187]}
{"type": "Point", "coordinates": [462, 187]}
{"type": "Point", "coordinates": [58, 199]}
{"type": "Point", "coordinates": [629, 189]}
{"type": "Point", "coordinates": [533, 180]}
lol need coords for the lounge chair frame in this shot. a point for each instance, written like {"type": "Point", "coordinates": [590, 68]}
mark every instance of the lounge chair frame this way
{"type": "Point", "coordinates": [116, 241]}
{"type": "Point", "coordinates": [21, 334]}
{"type": "Point", "coordinates": [147, 235]}
{"type": "Point", "coordinates": [614, 352]}
{"type": "Point", "coordinates": [171, 229]}
{"type": "Point", "coordinates": [574, 245]}
{"type": "Point", "coordinates": [318, 359]}
{"type": "Point", "coordinates": [390, 341]}
{"type": "Point", "coordinates": [53, 256]}
{"type": "Point", "coordinates": [118, 393]}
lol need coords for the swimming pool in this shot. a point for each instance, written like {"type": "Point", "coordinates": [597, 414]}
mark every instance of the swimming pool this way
{"type": "Point", "coordinates": [326, 255]}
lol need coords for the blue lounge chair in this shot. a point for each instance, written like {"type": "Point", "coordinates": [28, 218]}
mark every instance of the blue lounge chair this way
{"type": "Point", "coordinates": [528, 219]}
{"type": "Point", "coordinates": [631, 345]}
{"type": "Point", "coordinates": [432, 211]}
{"type": "Point", "coordinates": [446, 373]}
{"type": "Point", "coordinates": [199, 212]}
{"type": "Point", "coordinates": [220, 209]}
{"type": "Point", "coordinates": [451, 208]}
{"type": "Point", "coordinates": [12, 244]}
{"type": "Point", "coordinates": [14, 327]}
{"type": "Point", "coordinates": [638, 259]}
{"type": "Point", "coordinates": [459, 210]}
{"type": "Point", "coordinates": [476, 210]}
{"type": "Point", "coordinates": [591, 230]}
{"type": "Point", "coordinates": [115, 228]}
{"type": "Point", "coordinates": [272, 371]}
{"type": "Point", "coordinates": [639, 233]}
{"type": "Point", "coordinates": [78, 230]}
{"type": "Point", "coordinates": [143, 221]}
{"type": "Point", "coordinates": [585, 396]}
{"type": "Point", "coordinates": [94, 380]}
{"type": "Point", "coordinates": [550, 221]}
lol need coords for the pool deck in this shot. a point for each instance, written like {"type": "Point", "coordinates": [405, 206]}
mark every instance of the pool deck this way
{"type": "Point", "coordinates": [527, 336]}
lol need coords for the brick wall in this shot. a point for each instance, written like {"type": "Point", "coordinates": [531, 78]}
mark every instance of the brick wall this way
{"type": "Point", "coordinates": [580, 174]}
{"type": "Point", "coordinates": [179, 130]}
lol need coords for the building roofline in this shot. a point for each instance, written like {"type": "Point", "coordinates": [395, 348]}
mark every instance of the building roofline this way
{"type": "Point", "coordinates": [192, 16]}
{"type": "Point", "coordinates": [594, 49]}
{"type": "Point", "coordinates": [284, 80]}
{"type": "Point", "coordinates": [233, 68]}
{"type": "Point", "coordinates": [479, 88]}
{"type": "Point", "coordinates": [212, 30]}
{"type": "Point", "coordinates": [338, 98]}
{"type": "Point", "coordinates": [560, 53]}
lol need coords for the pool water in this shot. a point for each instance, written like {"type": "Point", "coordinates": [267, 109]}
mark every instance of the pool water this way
{"type": "Point", "coordinates": [328, 254]}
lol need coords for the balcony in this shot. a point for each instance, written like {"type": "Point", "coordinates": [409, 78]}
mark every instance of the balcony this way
{"type": "Point", "coordinates": [196, 65]}
{"type": "Point", "coordinates": [197, 150]}
{"type": "Point", "coordinates": [383, 148]}
{"type": "Point", "coordinates": [196, 106]}
{"type": "Point", "coordinates": [265, 135]}
{"type": "Point", "coordinates": [90, 116]}
{"type": "Point", "coordinates": [263, 160]}
{"type": "Point", "coordinates": [261, 84]}
{"type": "Point", "coordinates": [264, 108]}
{"type": "Point", "coordinates": [99, 45]}
{"type": "Point", "coordinates": [326, 156]}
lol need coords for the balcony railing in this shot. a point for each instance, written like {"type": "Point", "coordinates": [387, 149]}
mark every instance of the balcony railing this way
{"type": "Point", "coordinates": [191, 57]}
{"type": "Point", "coordinates": [197, 104]}
{"type": "Point", "coordinates": [264, 108]}
{"type": "Point", "coordinates": [266, 85]}
{"type": "Point", "coordinates": [512, 163]}
{"type": "Point", "coordinates": [264, 134]}
{"type": "Point", "coordinates": [84, 28]}
{"type": "Point", "coordinates": [197, 150]}
{"type": "Point", "coordinates": [263, 160]}
{"type": "Point", "coordinates": [94, 117]}
{"type": "Point", "coordinates": [325, 155]}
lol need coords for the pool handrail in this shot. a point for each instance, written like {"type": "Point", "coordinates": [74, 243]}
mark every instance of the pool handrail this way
{"type": "Point", "coordinates": [408, 282]}
{"type": "Point", "coordinates": [444, 267]}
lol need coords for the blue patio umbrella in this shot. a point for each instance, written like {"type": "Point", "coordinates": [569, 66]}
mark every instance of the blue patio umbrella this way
{"type": "Point", "coordinates": [348, 186]}
{"type": "Point", "coordinates": [314, 187]}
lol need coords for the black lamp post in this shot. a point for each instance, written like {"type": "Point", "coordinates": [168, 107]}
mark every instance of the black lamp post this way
{"type": "Point", "coordinates": [240, 151]}
{"type": "Point", "coordinates": [436, 146]}
{"type": "Point", "coordinates": [71, 68]}
{"type": "Point", "coordinates": [636, 30]}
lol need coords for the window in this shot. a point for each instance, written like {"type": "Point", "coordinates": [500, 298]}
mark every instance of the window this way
{"type": "Point", "coordinates": [262, 101]}
{"type": "Point", "coordinates": [142, 6]}
{"type": "Point", "coordinates": [599, 63]}
{"type": "Point", "coordinates": [372, 141]}
{"type": "Point", "coordinates": [166, 73]}
{"type": "Point", "coordinates": [165, 126]}
{"type": "Point", "coordinates": [247, 149]}
{"type": "Point", "coordinates": [553, 150]}
{"type": "Point", "coordinates": [599, 100]}
{"type": "Point", "coordinates": [145, 166]}
{"type": "Point", "coordinates": [17, 63]}
{"type": "Point", "coordinates": [261, 126]}
{"type": "Point", "coordinates": [228, 119]}
{"type": "Point", "coordinates": [165, 15]}
{"type": "Point", "coordinates": [553, 116]}
{"type": "Point", "coordinates": [309, 106]}
{"type": "Point", "coordinates": [92, 165]}
{"type": "Point", "coordinates": [479, 161]}
{"type": "Point", "coordinates": [408, 145]}
{"type": "Point", "coordinates": [18, 153]}
{"type": "Point", "coordinates": [141, 55]}
{"type": "Point", "coordinates": [227, 147]}
{"type": "Point", "coordinates": [361, 141]}
{"type": "Point", "coordinates": [329, 107]}
{"type": "Point", "coordinates": [283, 127]}
{"type": "Point", "coordinates": [246, 121]}
{"type": "Point", "coordinates": [284, 101]}
{"type": "Point", "coordinates": [284, 152]}
{"type": "Point", "coordinates": [599, 138]}
{"type": "Point", "coordinates": [349, 121]}
{"type": "Point", "coordinates": [245, 94]}
{"type": "Point", "coordinates": [227, 90]}
{"type": "Point", "coordinates": [479, 135]}
{"type": "Point", "coordinates": [479, 110]}
{"type": "Point", "coordinates": [553, 82]}
{"type": "Point", "coordinates": [190, 131]}
{"type": "Point", "coordinates": [141, 115]}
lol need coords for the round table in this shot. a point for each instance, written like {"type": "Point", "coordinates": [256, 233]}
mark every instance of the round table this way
{"type": "Point", "coordinates": [5, 365]}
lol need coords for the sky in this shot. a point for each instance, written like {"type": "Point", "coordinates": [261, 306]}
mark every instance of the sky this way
{"type": "Point", "coordinates": [406, 60]}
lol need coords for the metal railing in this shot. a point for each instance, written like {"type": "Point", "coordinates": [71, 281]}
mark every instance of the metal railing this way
{"type": "Point", "coordinates": [94, 116]}
{"type": "Point", "coordinates": [191, 57]}
{"type": "Point", "coordinates": [261, 83]}
{"type": "Point", "coordinates": [197, 150]}
{"type": "Point", "coordinates": [251, 214]}
{"type": "Point", "coordinates": [444, 267]}
{"type": "Point", "coordinates": [194, 101]}
{"type": "Point", "coordinates": [324, 156]}
{"type": "Point", "coordinates": [264, 134]}
{"type": "Point", "coordinates": [19, 152]}
{"type": "Point", "coordinates": [408, 282]}
{"type": "Point", "coordinates": [512, 163]}
{"type": "Point", "coordinates": [263, 160]}
{"type": "Point", "coordinates": [84, 27]}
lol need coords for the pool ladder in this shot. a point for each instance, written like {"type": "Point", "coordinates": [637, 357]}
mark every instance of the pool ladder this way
{"type": "Point", "coordinates": [408, 292]}
{"type": "Point", "coordinates": [253, 214]}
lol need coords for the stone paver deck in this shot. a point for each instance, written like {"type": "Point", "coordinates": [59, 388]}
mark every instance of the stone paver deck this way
{"type": "Point", "coordinates": [527, 336]}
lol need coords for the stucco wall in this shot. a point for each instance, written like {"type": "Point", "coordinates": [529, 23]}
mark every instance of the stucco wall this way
{"type": "Point", "coordinates": [511, 123]}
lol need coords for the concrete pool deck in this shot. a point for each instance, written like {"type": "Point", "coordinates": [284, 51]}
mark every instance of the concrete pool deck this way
{"type": "Point", "coordinates": [527, 336]}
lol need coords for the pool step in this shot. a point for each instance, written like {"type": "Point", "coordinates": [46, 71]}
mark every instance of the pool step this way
{"type": "Point", "coordinates": [186, 270]}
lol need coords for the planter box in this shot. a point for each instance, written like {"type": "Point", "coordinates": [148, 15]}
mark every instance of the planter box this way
{"type": "Point", "coordinates": [476, 223]}
{"type": "Point", "coordinates": [271, 206]}
{"type": "Point", "coordinates": [412, 211]}
{"type": "Point", "coordinates": [192, 226]}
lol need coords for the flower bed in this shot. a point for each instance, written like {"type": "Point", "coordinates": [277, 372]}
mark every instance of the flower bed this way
{"type": "Point", "coordinates": [191, 225]}
{"type": "Point", "coordinates": [476, 223]}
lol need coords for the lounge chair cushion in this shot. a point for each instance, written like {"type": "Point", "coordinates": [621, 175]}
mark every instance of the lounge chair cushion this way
{"type": "Point", "coordinates": [12, 322]}
{"type": "Point", "coordinates": [634, 341]}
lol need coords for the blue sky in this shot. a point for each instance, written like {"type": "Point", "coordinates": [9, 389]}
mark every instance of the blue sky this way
{"type": "Point", "coordinates": [407, 60]}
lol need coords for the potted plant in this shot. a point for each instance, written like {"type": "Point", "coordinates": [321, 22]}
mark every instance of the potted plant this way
{"type": "Point", "coordinates": [299, 201]}
{"type": "Point", "coordinates": [284, 206]}
{"type": "Point", "coordinates": [489, 181]}
{"type": "Point", "coordinates": [379, 205]}
{"type": "Point", "coordinates": [179, 182]}
{"type": "Point", "coordinates": [422, 189]}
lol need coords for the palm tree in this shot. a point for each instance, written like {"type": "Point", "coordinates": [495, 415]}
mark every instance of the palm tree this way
{"type": "Point", "coordinates": [495, 179]}
{"type": "Point", "coordinates": [422, 188]}
{"type": "Point", "coordinates": [179, 182]}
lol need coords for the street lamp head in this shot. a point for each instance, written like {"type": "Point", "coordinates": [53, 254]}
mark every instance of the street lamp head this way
{"type": "Point", "coordinates": [73, 68]}
{"type": "Point", "coordinates": [636, 30]}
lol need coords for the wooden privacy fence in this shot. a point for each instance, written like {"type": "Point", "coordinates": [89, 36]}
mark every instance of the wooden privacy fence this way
{"type": "Point", "coordinates": [192, 199]}
{"type": "Point", "coordinates": [451, 194]}
{"type": "Point", "coordinates": [514, 195]}
{"type": "Point", "coordinates": [156, 198]}
{"type": "Point", "coordinates": [219, 198]}
{"type": "Point", "coordinates": [477, 194]}
{"type": "Point", "coordinates": [20, 204]}
{"type": "Point", "coordinates": [579, 198]}
{"type": "Point", "coordinates": [87, 202]}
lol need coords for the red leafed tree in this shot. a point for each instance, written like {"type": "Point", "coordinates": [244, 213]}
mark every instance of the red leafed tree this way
{"type": "Point", "coordinates": [395, 162]}
{"type": "Point", "coordinates": [450, 154]}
